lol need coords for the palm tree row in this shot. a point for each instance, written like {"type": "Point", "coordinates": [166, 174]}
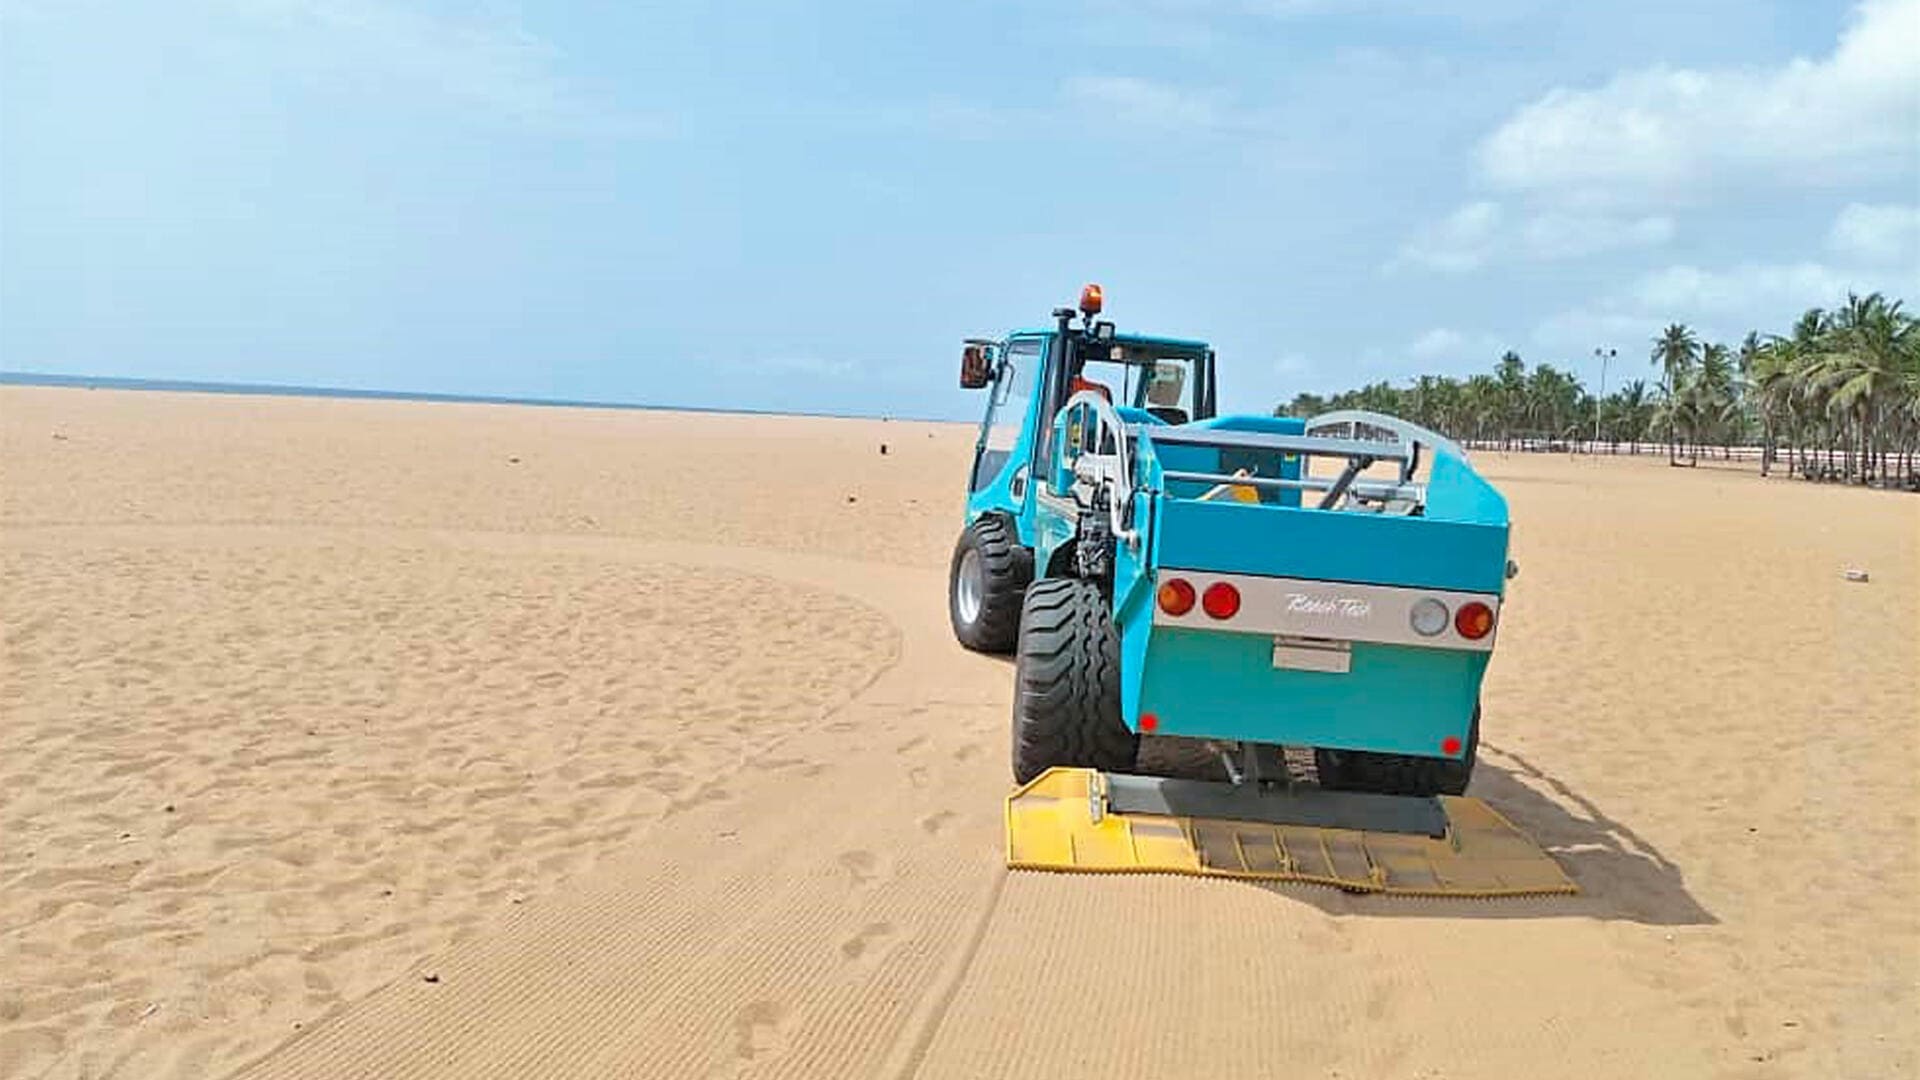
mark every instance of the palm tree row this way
{"type": "Point", "coordinates": [1511, 407]}
{"type": "Point", "coordinates": [1842, 384]}
{"type": "Point", "coordinates": [1838, 396]}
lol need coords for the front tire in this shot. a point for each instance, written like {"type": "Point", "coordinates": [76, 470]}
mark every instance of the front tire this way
{"type": "Point", "coordinates": [1066, 704]}
{"type": "Point", "coordinates": [1400, 774]}
{"type": "Point", "coordinates": [985, 581]}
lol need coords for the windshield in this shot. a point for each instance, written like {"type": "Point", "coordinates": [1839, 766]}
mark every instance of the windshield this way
{"type": "Point", "coordinates": [1162, 385]}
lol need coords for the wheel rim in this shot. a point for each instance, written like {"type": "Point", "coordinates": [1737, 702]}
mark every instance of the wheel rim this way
{"type": "Point", "coordinates": [969, 586]}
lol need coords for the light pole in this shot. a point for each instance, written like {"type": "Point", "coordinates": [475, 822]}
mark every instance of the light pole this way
{"type": "Point", "coordinates": [1603, 355]}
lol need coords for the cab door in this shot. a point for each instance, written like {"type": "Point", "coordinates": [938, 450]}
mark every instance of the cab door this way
{"type": "Point", "coordinates": [1001, 472]}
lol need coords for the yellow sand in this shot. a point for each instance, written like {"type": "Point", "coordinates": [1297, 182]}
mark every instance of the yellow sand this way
{"type": "Point", "coordinates": [386, 739]}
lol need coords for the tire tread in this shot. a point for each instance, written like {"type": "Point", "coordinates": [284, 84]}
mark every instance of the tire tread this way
{"type": "Point", "coordinates": [1009, 569]}
{"type": "Point", "coordinates": [1066, 708]}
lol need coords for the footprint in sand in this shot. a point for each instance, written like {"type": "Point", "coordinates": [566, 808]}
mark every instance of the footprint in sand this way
{"type": "Point", "coordinates": [863, 942]}
{"type": "Point", "coordinates": [934, 822]}
{"type": "Point", "coordinates": [1380, 1000]}
{"type": "Point", "coordinates": [760, 1030]}
{"type": "Point", "coordinates": [967, 752]}
{"type": "Point", "coordinates": [793, 764]}
{"type": "Point", "coordinates": [711, 791]}
{"type": "Point", "coordinates": [861, 866]}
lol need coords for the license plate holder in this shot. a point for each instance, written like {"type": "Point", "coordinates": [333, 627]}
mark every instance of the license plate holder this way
{"type": "Point", "coordinates": [1327, 655]}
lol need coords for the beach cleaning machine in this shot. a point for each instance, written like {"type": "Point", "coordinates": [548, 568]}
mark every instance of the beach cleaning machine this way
{"type": "Point", "coordinates": [1311, 604]}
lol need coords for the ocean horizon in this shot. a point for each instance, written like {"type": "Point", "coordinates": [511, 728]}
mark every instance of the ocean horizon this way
{"type": "Point", "coordinates": [200, 386]}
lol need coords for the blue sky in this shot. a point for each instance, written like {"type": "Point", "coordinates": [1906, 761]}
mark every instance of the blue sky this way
{"type": "Point", "coordinates": [798, 205]}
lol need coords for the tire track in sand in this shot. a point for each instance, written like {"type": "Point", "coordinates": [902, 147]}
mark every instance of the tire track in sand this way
{"type": "Point", "coordinates": [925, 1024]}
{"type": "Point", "coordinates": [778, 930]}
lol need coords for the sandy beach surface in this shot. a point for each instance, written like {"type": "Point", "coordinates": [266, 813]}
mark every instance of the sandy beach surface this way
{"type": "Point", "coordinates": [383, 739]}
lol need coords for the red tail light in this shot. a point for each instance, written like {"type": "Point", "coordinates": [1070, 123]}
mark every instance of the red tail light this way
{"type": "Point", "coordinates": [1474, 620]}
{"type": "Point", "coordinates": [1222, 601]}
{"type": "Point", "coordinates": [1176, 596]}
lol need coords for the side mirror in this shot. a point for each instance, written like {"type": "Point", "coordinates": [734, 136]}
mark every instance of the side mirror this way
{"type": "Point", "coordinates": [976, 369]}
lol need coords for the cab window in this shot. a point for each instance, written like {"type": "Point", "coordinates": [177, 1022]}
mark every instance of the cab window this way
{"type": "Point", "coordinates": [1007, 412]}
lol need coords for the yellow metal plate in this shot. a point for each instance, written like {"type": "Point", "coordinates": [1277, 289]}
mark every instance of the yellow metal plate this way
{"type": "Point", "coordinates": [1051, 826]}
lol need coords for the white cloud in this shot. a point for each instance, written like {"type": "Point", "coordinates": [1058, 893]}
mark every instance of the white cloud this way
{"type": "Point", "coordinates": [943, 117]}
{"type": "Point", "coordinates": [1478, 232]}
{"type": "Point", "coordinates": [1660, 132]}
{"type": "Point", "coordinates": [1578, 330]}
{"type": "Point", "coordinates": [809, 366]}
{"type": "Point", "coordinates": [1566, 236]}
{"type": "Point", "coordinates": [1694, 293]}
{"type": "Point", "coordinates": [1882, 234]}
{"type": "Point", "coordinates": [1125, 100]}
{"type": "Point", "coordinates": [1444, 343]}
{"type": "Point", "coordinates": [26, 11]}
{"type": "Point", "coordinates": [1439, 341]}
{"type": "Point", "coordinates": [1103, 10]}
{"type": "Point", "coordinates": [1293, 364]}
{"type": "Point", "coordinates": [493, 65]}
{"type": "Point", "coordinates": [1722, 303]}
{"type": "Point", "coordinates": [1108, 102]}
{"type": "Point", "coordinates": [1459, 242]}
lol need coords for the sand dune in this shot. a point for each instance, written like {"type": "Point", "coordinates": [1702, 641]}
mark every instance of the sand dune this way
{"type": "Point", "coordinates": [383, 739]}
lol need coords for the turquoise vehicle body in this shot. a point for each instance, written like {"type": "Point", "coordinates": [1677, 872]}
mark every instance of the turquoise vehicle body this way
{"type": "Point", "coordinates": [1320, 651]}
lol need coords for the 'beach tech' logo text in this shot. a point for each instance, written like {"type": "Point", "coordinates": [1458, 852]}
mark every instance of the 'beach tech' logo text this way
{"type": "Point", "coordinates": [1347, 607]}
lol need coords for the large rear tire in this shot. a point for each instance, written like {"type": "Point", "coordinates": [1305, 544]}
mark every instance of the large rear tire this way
{"type": "Point", "coordinates": [985, 581]}
{"type": "Point", "coordinates": [1066, 703]}
{"type": "Point", "coordinates": [1400, 774]}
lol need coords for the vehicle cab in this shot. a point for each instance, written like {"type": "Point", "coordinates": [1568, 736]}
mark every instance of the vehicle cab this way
{"type": "Point", "coordinates": [1032, 373]}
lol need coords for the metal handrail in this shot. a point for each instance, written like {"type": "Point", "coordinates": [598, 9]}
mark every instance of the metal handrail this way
{"type": "Point", "coordinates": [1405, 433]}
{"type": "Point", "coordinates": [1372, 489]}
{"type": "Point", "coordinates": [1120, 497]}
{"type": "Point", "coordinates": [1116, 468]}
{"type": "Point", "coordinates": [1262, 440]}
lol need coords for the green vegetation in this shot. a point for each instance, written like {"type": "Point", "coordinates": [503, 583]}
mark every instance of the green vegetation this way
{"type": "Point", "coordinates": [1837, 397]}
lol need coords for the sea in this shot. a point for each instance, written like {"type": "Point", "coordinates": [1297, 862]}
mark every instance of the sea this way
{"type": "Point", "coordinates": [192, 386]}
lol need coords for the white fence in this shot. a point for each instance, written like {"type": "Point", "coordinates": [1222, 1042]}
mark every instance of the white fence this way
{"type": "Point", "coordinates": [1533, 445]}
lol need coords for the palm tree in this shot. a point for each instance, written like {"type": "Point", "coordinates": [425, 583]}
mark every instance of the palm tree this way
{"type": "Point", "coordinates": [1481, 401]}
{"type": "Point", "coordinates": [1809, 342]}
{"type": "Point", "coordinates": [1770, 379]}
{"type": "Point", "coordinates": [1673, 353]}
{"type": "Point", "coordinates": [1511, 374]}
{"type": "Point", "coordinates": [1861, 370]}
{"type": "Point", "coordinates": [1552, 401]}
{"type": "Point", "coordinates": [1717, 398]}
{"type": "Point", "coordinates": [1304, 405]}
{"type": "Point", "coordinates": [1633, 413]}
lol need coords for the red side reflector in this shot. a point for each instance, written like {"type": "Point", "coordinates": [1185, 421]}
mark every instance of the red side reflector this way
{"type": "Point", "coordinates": [1222, 601]}
{"type": "Point", "coordinates": [1450, 746]}
{"type": "Point", "coordinates": [1474, 620]}
{"type": "Point", "coordinates": [1149, 723]}
{"type": "Point", "coordinates": [1176, 596]}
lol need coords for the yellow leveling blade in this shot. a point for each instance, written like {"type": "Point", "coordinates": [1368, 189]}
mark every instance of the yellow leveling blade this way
{"type": "Point", "coordinates": [1059, 822]}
